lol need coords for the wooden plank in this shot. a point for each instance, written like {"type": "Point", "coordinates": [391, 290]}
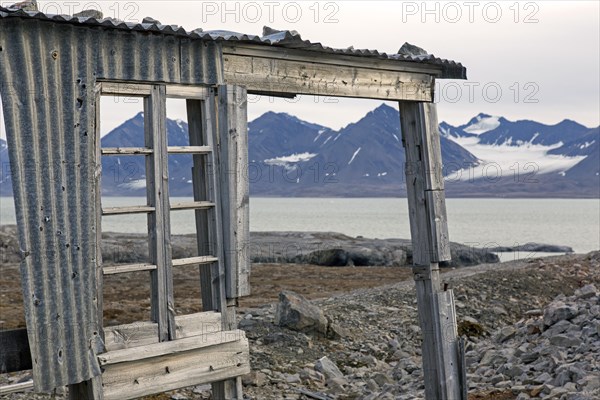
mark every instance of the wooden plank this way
{"type": "Point", "coordinates": [233, 159]}
{"type": "Point", "coordinates": [159, 229]}
{"type": "Point", "coordinates": [187, 92]}
{"type": "Point", "coordinates": [125, 151]}
{"type": "Point", "coordinates": [15, 354]}
{"type": "Point", "coordinates": [200, 260]}
{"type": "Point", "coordinates": [313, 78]}
{"type": "Point", "coordinates": [170, 347]}
{"type": "Point", "coordinates": [427, 211]}
{"type": "Point", "coordinates": [334, 60]}
{"type": "Point", "coordinates": [138, 89]}
{"type": "Point", "coordinates": [421, 137]}
{"type": "Point", "coordinates": [126, 268]}
{"type": "Point", "coordinates": [189, 149]}
{"type": "Point", "coordinates": [16, 387]}
{"type": "Point", "coordinates": [435, 201]}
{"type": "Point", "coordinates": [448, 346]}
{"type": "Point", "coordinates": [127, 210]}
{"type": "Point", "coordinates": [197, 133]}
{"type": "Point", "coordinates": [129, 380]}
{"type": "Point", "coordinates": [145, 333]}
{"type": "Point", "coordinates": [192, 205]}
{"type": "Point", "coordinates": [427, 282]}
{"type": "Point", "coordinates": [125, 89]}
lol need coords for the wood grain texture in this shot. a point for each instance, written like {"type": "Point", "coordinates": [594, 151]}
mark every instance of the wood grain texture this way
{"type": "Point", "coordinates": [424, 183]}
{"type": "Point", "coordinates": [316, 78]}
{"type": "Point", "coordinates": [145, 333]}
{"type": "Point", "coordinates": [235, 190]}
{"type": "Point", "coordinates": [200, 365]}
{"type": "Point", "coordinates": [157, 184]}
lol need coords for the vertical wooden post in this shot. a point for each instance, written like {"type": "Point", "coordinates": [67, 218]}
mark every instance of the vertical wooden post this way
{"type": "Point", "coordinates": [159, 227]}
{"type": "Point", "coordinates": [430, 245]}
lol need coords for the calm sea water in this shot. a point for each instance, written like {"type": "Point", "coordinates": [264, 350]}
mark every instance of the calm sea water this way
{"type": "Point", "coordinates": [477, 222]}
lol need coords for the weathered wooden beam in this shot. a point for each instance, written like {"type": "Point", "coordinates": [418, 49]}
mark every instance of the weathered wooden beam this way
{"type": "Point", "coordinates": [200, 260]}
{"type": "Point", "coordinates": [430, 245]}
{"type": "Point", "coordinates": [144, 333]}
{"type": "Point", "coordinates": [125, 151]}
{"type": "Point", "coordinates": [189, 149]}
{"type": "Point", "coordinates": [235, 191]}
{"type": "Point", "coordinates": [127, 210]}
{"type": "Point", "coordinates": [317, 78]}
{"type": "Point", "coordinates": [16, 387]}
{"type": "Point", "coordinates": [192, 205]}
{"type": "Point", "coordinates": [247, 49]}
{"type": "Point", "coordinates": [137, 89]}
{"type": "Point", "coordinates": [127, 380]}
{"type": "Point", "coordinates": [169, 347]}
{"type": "Point", "coordinates": [125, 268]}
{"type": "Point", "coordinates": [424, 183]}
{"type": "Point", "coordinates": [159, 227]}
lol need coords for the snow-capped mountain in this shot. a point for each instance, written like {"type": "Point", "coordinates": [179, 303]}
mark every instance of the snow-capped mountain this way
{"type": "Point", "coordinates": [560, 159]}
{"type": "Point", "coordinates": [487, 156]}
{"type": "Point", "coordinates": [365, 158]}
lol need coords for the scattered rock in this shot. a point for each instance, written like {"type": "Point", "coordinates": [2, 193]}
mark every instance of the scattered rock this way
{"type": "Point", "coordinates": [328, 368]}
{"type": "Point", "coordinates": [295, 312]}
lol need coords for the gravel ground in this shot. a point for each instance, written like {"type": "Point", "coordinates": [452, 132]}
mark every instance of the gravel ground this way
{"type": "Point", "coordinates": [377, 352]}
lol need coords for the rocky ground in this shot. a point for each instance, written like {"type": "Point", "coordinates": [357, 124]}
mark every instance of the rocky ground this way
{"type": "Point", "coordinates": [532, 329]}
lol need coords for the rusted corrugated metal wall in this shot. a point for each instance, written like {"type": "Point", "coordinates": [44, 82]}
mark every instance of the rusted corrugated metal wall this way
{"type": "Point", "coordinates": [48, 73]}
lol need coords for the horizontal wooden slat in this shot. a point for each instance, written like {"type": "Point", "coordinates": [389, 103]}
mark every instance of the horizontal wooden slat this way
{"type": "Point", "coordinates": [121, 269]}
{"type": "Point", "coordinates": [136, 89]}
{"type": "Point", "coordinates": [189, 149]}
{"type": "Point", "coordinates": [224, 360]}
{"type": "Point", "coordinates": [315, 78]}
{"type": "Point", "coordinates": [125, 151]}
{"type": "Point", "coordinates": [144, 333]}
{"type": "Point", "coordinates": [334, 60]}
{"type": "Point", "coordinates": [127, 210]}
{"type": "Point", "coordinates": [187, 92]}
{"type": "Point", "coordinates": [170, 347]}
{"type": "Point", "coordinates": [16, 387]}
{"type": "Point", "coordinates": [192, 205]}
{"type": "Point", "coordinates": [184, 262]}
{"type": "Point", "coordinates": [125, 89]}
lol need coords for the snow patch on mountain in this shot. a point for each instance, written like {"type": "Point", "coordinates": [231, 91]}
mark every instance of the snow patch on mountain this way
{"type": "Point", "coordinates": [134, 185]}
{"type": "Point", "coordinates": [354, 155]}
{"type": "Point", "coordinates": [288, 162]}
{"type": "Point", "coordinates": [483, 124]}
{"type": "Point", "coordinates": [526, 159]}
{"type": "Point", "coordinates": [319, 133]}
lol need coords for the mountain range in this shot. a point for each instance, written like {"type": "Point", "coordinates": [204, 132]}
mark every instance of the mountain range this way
{"type": "Point", "coordinates": [488, 156]}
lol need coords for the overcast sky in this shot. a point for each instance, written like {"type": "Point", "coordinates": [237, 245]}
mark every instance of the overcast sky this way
{"type": "Point", "coordinates": [527, 60]}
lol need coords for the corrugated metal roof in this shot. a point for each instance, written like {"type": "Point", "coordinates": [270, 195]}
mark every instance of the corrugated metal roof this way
{"type": "Point", "coordinates": [286, 39]}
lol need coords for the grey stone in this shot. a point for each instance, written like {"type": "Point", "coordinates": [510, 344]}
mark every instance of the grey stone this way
{"type": "Point", "coordinates": [295, 312]}
{"type": "Point", "coordinates": [558, 311]}
{"type": "Point", "coordinates": [543, 378]}
{"type": "Point", "coordinates": [565, 341]}
{"type": "Point", "coordinates": [586, 292]}
{"type": "Point", "coordinates": [328, 368]}
{"type": "Point", "coordinates": [506, 333]}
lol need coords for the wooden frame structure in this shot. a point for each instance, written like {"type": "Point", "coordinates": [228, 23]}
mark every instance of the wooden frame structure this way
{"type": "Point", "coordinates": [59, 211]}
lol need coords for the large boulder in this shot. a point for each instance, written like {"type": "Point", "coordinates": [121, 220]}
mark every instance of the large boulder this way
{"type": "Point", "coordinates": [295, 312]}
